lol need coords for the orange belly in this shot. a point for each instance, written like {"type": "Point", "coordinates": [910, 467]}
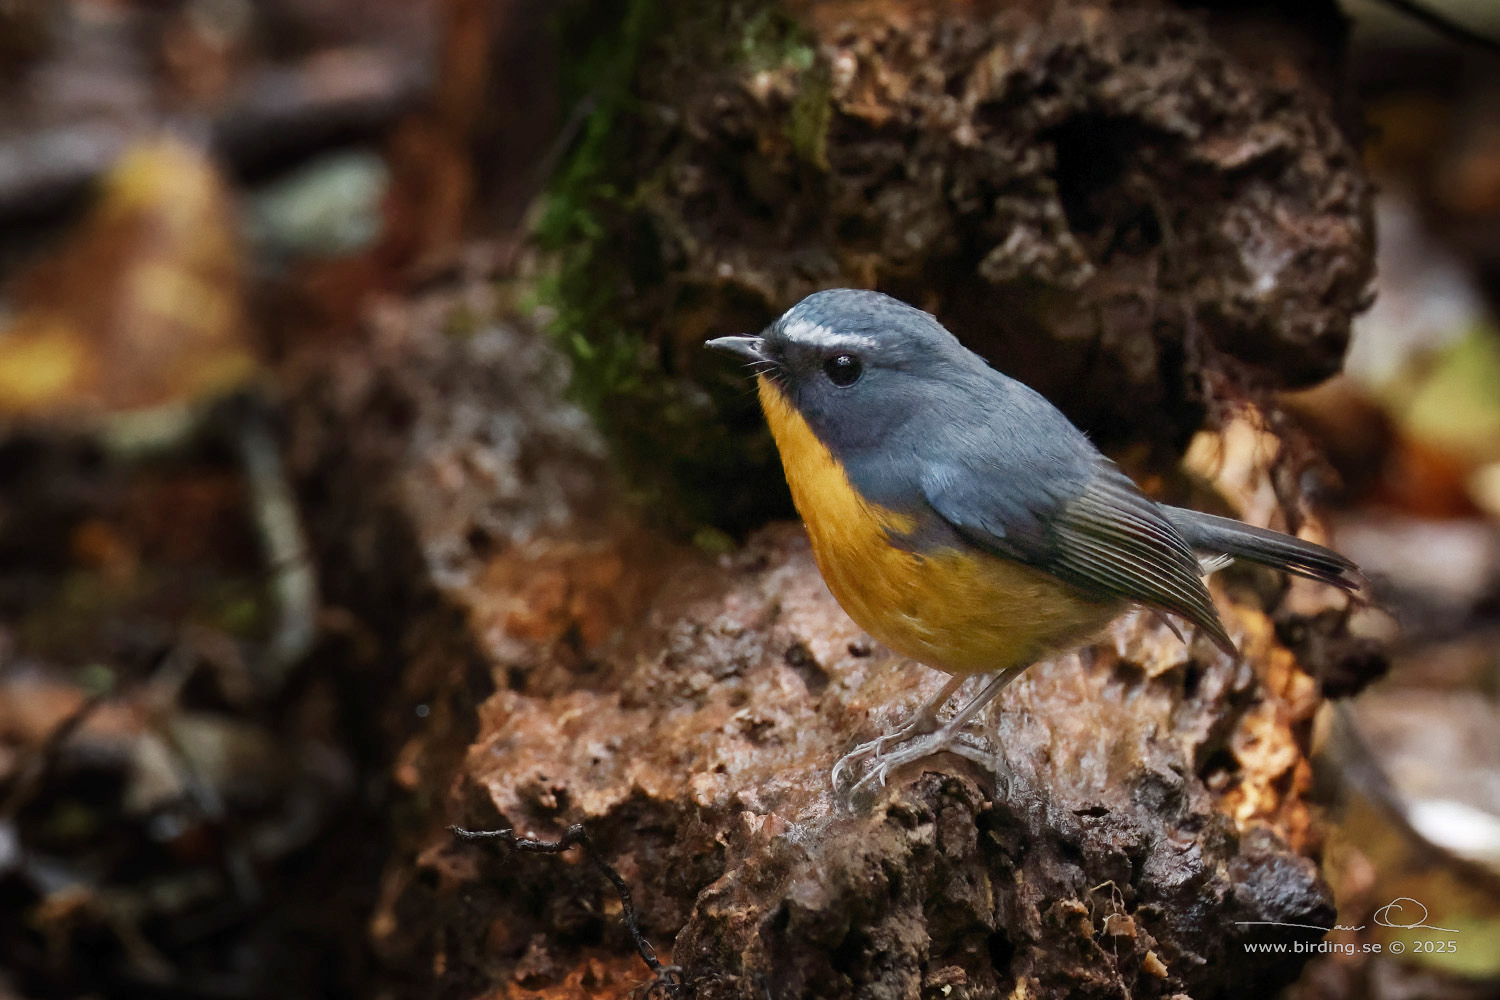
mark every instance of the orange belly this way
{"type": "Point", "coordinates": [958, 611]}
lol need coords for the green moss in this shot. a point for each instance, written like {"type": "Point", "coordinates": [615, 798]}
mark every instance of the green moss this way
{"type": "Point", "coordinates": [603, 45]}
{"type": "Point", "coordinates": [685, 433]}
{"type": "Point", "coordinates": [771, 39]}
{"type": "Point", "coordinates": [713, 541]}
{"type": "Point", "coordinates": [1453, 403]}
{"type": "Point", "coordinates": [807, 126]}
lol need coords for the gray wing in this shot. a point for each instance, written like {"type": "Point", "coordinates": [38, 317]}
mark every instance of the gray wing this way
{"type": "Point", "coordinates": [1074, 515]}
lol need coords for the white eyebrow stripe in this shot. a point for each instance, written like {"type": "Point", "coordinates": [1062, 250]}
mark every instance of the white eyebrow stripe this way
{"type": "Point", "coordinates": [808, 334]}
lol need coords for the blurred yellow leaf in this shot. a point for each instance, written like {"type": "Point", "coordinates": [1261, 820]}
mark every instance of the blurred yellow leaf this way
{"type": "Point", "coordinates": [38, 363]}
{"type": "Point", "coordinates": [142, 307]}
{"type": "Point", "coordinates": [1456, 403]}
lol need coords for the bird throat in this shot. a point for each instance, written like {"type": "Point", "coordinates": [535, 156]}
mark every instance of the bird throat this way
{"type": "Point", "coordinates": [827, 501]}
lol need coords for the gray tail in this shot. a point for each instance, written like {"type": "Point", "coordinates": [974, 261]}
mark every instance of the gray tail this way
{"type": "Point", "coordinates": [1208, 533]}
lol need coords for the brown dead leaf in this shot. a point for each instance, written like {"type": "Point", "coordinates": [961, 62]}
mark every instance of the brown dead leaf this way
{"type": "Point", "coordinates": [142, 307]}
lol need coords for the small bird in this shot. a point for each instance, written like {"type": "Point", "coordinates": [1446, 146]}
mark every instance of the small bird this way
{"type": "Point", "coordinates": [962, 520]}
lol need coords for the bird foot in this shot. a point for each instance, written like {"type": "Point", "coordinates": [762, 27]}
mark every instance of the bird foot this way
{"type": "Point", "coordinates": [874, 750]}
{"type": "Point", "coordinates": [878, 758]}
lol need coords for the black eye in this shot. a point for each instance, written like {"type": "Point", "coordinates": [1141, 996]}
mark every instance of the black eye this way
{"type": "Point", "coordinates": [843, 369]}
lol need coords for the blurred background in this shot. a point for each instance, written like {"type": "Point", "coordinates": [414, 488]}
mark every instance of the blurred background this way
{"type": "Point", "coordinates": [195, 193]}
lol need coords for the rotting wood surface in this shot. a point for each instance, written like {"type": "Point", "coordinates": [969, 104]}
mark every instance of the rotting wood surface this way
{"type": "Point", "coordinates": [1129, 204]}
{"type": "Point", "coordinates": [687, 708]}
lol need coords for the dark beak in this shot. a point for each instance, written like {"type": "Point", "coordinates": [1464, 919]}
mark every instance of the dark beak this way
{"type": "Point", "coordinates": [747, 347]}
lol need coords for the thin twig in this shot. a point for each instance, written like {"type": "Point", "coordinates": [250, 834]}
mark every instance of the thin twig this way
{"type": "Point", "coordinates": [577, 835]}
{"type": "Point", "coordinates": [278, 521]}
{"type": "Point", "coordinates": [1443, 25]}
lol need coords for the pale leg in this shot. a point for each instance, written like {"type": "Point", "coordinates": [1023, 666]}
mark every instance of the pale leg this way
{"type": "Point", "coordinates": [916, 745]}
{"type": "Point", "coordinates": [921, 723]}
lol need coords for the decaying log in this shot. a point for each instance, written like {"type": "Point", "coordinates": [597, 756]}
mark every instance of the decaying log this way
{"type": "Point", "coordinates": [686, 707]}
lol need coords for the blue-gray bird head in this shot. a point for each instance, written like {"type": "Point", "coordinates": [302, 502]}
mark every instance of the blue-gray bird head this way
{"type": "Point", "coordinates": [857, 363]}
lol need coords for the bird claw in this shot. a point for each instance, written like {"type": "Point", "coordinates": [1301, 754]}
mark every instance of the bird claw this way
{"type": "Point", "coordinates": [858, 793]}
{"type": "Point", "coordinates": [873, 751]}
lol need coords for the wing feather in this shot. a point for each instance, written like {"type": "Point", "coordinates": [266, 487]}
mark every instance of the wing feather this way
{"type": "Point", "coordinates": [1103, 536]}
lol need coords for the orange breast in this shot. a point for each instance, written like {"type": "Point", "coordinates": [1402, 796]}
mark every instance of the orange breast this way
{"type": "Point", "coordinates": [958, 611]}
